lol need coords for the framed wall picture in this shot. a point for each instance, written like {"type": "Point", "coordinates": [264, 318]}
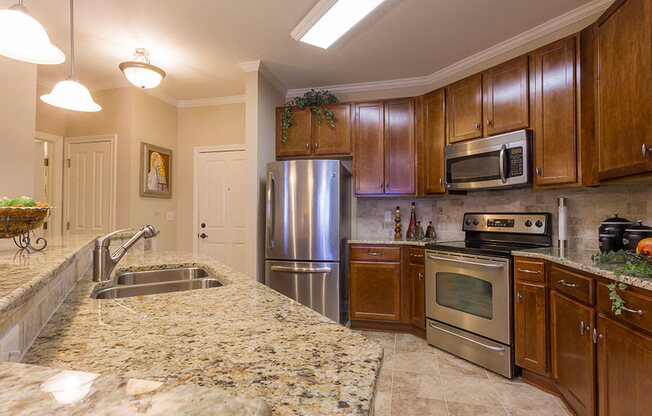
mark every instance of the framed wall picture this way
{"type": "Point", "coordinates": [155, 171]}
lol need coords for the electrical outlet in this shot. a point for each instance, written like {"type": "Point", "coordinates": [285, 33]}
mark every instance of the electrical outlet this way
{"type": "Point", "coordinates": [169, 215]}
{"type": "Point", "coordinates": [388, 216]}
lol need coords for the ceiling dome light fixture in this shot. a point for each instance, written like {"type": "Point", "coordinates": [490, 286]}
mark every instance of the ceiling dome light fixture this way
{"type": "Point", "coordinates": [140, 72]}
{"type": "Point", "coordinates": [23, 38]}
{"type": "Point", "coordinates": [71, 94]}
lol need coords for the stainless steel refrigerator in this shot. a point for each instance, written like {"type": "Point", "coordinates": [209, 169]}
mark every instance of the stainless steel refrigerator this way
{"type": "Point", "coordinates": [308, 223]}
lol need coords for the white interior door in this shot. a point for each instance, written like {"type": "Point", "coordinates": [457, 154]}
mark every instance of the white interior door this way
{"type": "Point", "coordinates": [89, 196]}
{"type": "Point", "coordinates": [221, 201]}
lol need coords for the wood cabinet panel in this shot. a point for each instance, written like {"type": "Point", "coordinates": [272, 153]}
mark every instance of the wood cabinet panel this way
{"type": "Point", "coordinates": [636, 311]}
{"type": "Point", "coordinates": [532, 270]}
{"type": "Point", "coordinates": [464, 109]}
{"type": "Point", "coordinates": [624, 365]}
{"type": "Point", "coordinates": [506, 96]}
{"type": "Point", "coordinates": [375, 291]}
{"type": "Point", "coordinates": [530, 328]}
{"type": "Point", "coordinates": [400, 147]}
{"type": "Point", "coordinates": [555, 157]}
{"type": "Point", "coordinates": [573, 284]}
{"type": "Point", "coordinates": [624, 89]}
{"type": "Point", "coordinates": [375, 253]}
{"type": "Point", "coordinates": [573, 352]}
{"type": "Point", "coordinates": [416, 271]}
{"type": "Point", "coordinates": [332, 141]}
{"type": "Point", "coordinates": [434, 140]}
{"type": "Point", "coordinates": [368, 153]}
{"type": "Point", "coordinates": [298, 135]}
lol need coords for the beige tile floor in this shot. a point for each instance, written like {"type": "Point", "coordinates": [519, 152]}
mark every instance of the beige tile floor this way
{"type": "Point", "coordinates": [418, 379]}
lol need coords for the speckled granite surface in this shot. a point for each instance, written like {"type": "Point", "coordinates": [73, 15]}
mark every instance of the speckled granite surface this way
{"type": "Point", "coordinates": [581, 260]}
{"type": "Point", "coordinates": [35, 390]}
{"type": "Point", "coordinates": [391, 242]}
{"type": "Point", "coordinates": [242, 337]}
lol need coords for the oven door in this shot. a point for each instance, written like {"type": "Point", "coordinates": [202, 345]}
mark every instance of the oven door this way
{"type": "Point", "coordinates": [470, 292]}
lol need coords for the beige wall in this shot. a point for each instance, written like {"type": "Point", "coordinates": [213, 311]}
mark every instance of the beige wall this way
{"type": "Point", "coordinates": [17, 121]}
{"type": "Point", "coordinates": [201, 126]}
{"type": "Point", "coordinates": [49, 119]}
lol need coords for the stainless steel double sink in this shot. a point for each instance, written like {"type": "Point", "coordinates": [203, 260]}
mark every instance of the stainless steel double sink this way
{"type": "Point", "coordinates": [150, 282]}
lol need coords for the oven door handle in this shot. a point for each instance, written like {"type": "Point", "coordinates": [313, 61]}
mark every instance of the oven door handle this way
{"type": "Point", "coordinates": [501, 162]}
{"type": "Point", "coordinates": [492, 265]}
{"type": "Point", "coordinates": [491, 347]}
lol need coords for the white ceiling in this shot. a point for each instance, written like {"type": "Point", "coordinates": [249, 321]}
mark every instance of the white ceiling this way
{"type": "Point", "coordinates": [199, 43]}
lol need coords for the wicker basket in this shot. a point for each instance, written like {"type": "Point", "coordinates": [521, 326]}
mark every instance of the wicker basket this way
{"type": "Point", "coordinates": [16, 221]}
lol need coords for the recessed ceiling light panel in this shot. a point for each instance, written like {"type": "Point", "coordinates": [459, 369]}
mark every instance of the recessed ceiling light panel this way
{"type": "Point", "coordinates": [330, 19]}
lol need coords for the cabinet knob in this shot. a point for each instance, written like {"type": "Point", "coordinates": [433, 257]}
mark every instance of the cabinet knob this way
{"type": "Point", "coordinates": [316, 145]}
{"type": "Point", "coordinates": [307, 145]}
{"type": "Point", "coordinates": [420, 276]}
{"type": "Point", "coordinates": [477, 126]}
{"type": "Point", "coordinates": [596, 336]}
{"type": "Point", "coordinates": [488, 122]}
{"type": "Point", "coordinates": [645, 149]}
{"type": "Point", "coordinates": [441, 181]}
{"type": "Point", "coordinates": [518, 297]}
{"type": "Point", "coordinates": [583, 328]}
{"type": "Point", "coordinates": [538, 171]}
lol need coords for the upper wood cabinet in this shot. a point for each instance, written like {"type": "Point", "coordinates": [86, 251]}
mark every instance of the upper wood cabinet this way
{"type": "Point", "coordinates": [298, 135]}
{"type": "Point", "coordinates": [624, 89]}
{"type": "Point", "coordinates": [555, 153]}
{"type": "Point", "coordinates": [530, 326]}
{"type": "Point", "coordinates": [506, 96]}
{"type": "Point", "coordinates": [333, 141]}
{"type": "Point", "coordinates": [432, 139]}
{"type": "Point", "coordinates": [307, 137]}
{"type": "Point", "coordinates": [384, 148]}
{"type": "Point", "coordinates": [464, 107]}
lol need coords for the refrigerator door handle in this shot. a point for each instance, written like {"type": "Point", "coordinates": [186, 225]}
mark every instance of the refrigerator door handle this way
{"type": "Point", "coordinates": [301, 269]}
{"type": "Point", "coordinates": [271, 182]}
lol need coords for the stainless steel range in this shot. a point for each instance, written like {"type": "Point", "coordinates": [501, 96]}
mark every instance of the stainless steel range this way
{"type": "Point", "coordinates": [469, 286]}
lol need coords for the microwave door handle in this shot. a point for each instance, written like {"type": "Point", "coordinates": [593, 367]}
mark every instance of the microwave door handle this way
{"type": "Point", "coordinates": [492, 265]}
{"type": "Point", "coordinates": [501, 162]}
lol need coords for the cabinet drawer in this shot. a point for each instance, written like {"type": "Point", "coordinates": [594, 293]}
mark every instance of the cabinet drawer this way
{"type": "Point", "coordinates": [416, 255]}
{"type": "Point", "coordinates": [575, 285]}
{"type": "Point", "coordinates": [636, 311]}
{"type": "Point", "coordinates": [530, 270]}
{"type": "Point", "coordinates": [375, 253]}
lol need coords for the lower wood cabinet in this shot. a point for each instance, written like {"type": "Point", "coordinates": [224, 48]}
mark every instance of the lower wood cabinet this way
{"type": "Point", "coordinates": [417, 287]}
{"type": "Point", "coordinates": [530, 325]}
{"type": "Point", "coordinates": [375, 290]}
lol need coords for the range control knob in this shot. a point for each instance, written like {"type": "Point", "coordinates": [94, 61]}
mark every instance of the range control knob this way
{"type": "Point", "coordinates": [475, 221]}
{"type": "Point", "coordinates": [528, 223]}
{"type": "Point", "coordinates": [467, 222]}
{"type": "Point", "coordinates": [539, 223]}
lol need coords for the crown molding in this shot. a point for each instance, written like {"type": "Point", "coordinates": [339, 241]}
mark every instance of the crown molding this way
{"type": "Point", "coordinates": [203, 102]}
{"type": "Point", "coordinates": [250, 66]}
{"type": "Point", "coordinates": [316, 13]}
{"type": "Point", "coordinates": [267, 74]}
{"type": "Point", "coordinates": [546, 28]}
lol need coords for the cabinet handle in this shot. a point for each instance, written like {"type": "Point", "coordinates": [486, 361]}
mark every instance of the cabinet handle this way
{"type": "Point", "coordinates": [420, 276]}
{"type": "Point", "coordinates": [638, 312]}
{"type": "Point", "coordinates": [488, 123]}
{"type": "Point", "coordinates": [596, 336]}
{"type": "Point", "coordinates": [645, 149]}
{"type": "Point", "coordinates": [538, 171]}
{"type": "Point", "coordinates": [418, 256]}
{"type": "Point", "coordinates": [583, 328]}
{"type": "Point", "coordinates": [375, 253]}
{"type": "Point", "coordinates": [563, 283]}
{"type": "Point", "coordinates": [316, 145]}
{"type": "Point", "coordinates": [528, 271]}
{"type": "Point", "coordinates": [518, 297]}
{"type": "Point", "coordinates": [441, 181]}
{"type": "Point", "coordinates": [307, 145]}
{"type": "Point", "coordinates": [380, 185]}
{"type": "Point", "coordinates": [477, 126]}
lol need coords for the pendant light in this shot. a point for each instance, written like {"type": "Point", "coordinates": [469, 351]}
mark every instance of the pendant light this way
{"type": "Point", "coordinates": [71, 94]}
{"type": "Point", "coordinates": [141, 72]}
{"type": "Point", "coordinates": [23, 38]}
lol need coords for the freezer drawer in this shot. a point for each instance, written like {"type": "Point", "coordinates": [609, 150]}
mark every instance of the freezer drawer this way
{"type": "Point", "coordinates": [316, 285]}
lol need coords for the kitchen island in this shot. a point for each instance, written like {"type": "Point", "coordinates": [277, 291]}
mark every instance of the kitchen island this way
{"type": "Point", "coordinates": [243, 338]}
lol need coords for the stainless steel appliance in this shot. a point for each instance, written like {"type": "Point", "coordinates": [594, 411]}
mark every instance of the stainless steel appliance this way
{"type": "Point", "coordinates": [469, 286]}
{"type": "Point", "coordinates": [491, 162]}
{"type": "Point", "coordinates": [308, 223]}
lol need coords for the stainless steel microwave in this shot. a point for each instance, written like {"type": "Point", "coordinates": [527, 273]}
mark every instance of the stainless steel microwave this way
{"type": "Point", "coordinates": [490, 162]}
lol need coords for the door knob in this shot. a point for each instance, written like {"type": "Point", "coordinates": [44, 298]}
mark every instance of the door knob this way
{"type": "Point", "coordinates": [203, 235]}
{"type": "Point", "coordinates": [203, 225]}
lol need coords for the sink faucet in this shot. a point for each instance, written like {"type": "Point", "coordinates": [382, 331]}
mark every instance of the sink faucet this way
{"type": "Point", "coordinates": [104, 262]}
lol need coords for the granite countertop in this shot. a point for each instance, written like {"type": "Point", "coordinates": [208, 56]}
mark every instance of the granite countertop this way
{"type": "Point", "coordinates": [401, 242]}
{"type": "Point", "coordinates": [581, 259]}
{"type": "Point", "coordinates": [34, 390]}
{"type": "Point", "coordinates": [242, 337]}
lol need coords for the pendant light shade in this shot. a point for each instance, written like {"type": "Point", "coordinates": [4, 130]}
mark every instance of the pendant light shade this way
{"type": "Point", "coordinates": [140, 72]}
{"type": "Point", "coordinates": [71, 94]}
{"type": "Point", "coordinates": [23, 38]}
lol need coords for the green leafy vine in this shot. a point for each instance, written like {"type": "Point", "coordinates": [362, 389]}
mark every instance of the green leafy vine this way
{"type": "Point", "coordinates": [631, 265]}
{"type": "Point", "coordinates": [316, 101]}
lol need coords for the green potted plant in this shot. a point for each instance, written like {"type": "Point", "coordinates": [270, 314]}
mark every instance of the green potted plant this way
{"type": "Point", "coordinates": [316, 101]}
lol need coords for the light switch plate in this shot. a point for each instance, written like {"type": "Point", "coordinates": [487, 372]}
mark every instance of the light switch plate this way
{"type": "Point", "coordinates": [388, 216]}
{"type": "Point", "coordinates": [169, 215]}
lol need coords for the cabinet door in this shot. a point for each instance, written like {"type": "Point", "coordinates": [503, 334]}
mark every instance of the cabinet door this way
{"type": "Point", "coordinates": [555, 157]}
{"type": "Point", "coordinates": [464, 103]}
{"type": "Point", "coordinates": [375, 291]}
{"type": "Point", "coordinates": [400, 147]}
{"type": "Point", "coordinates": [506, 96]}
{"type": "Point", "coordinates": [572, 352]}
{"type": "Point", "coordinates": [368, 153]}
{"type": "Point", "coordinates": [332, 141]}
{"type": "Point", "coordinates": [530, 332]}
{"type": "Point", "coordinates": [416, 276]}
{"type": "Point", "coordinates": [434, 140]}
{"type": "Point", "coordinates": [624, 362]}
{"type": "Point", "coordinates": [624, 89]}
{"type": "Point", "coordinates": [298, 142]}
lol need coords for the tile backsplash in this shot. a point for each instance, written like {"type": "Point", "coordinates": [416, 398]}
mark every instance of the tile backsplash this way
{"type": "Point", "coordinates": [587, 208]}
